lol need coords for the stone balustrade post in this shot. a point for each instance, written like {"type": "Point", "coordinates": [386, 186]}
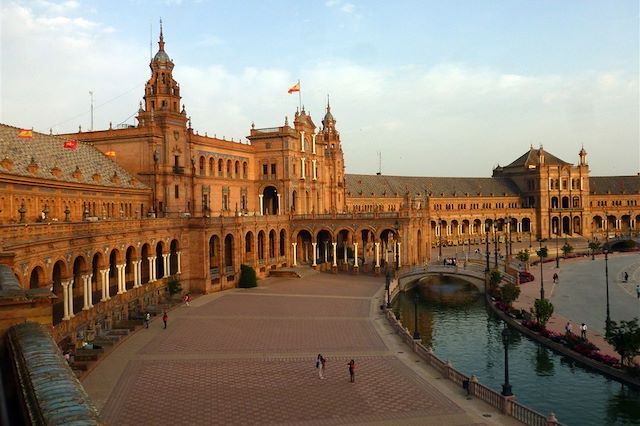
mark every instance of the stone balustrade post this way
{"type": "Point", "coordinates": [86, 292]}
{"type": "Point", "coordinates": [121, 278]}
{"type": "Point", "coordinates": [314, 254]}
{"type": "Point", "coordinates": [104, 284]}
{"type": "Point", "coordinates": [65, 299]}
{"type": "Point", "coordinates": [295, 254]}
{"type": "Point", "coordinates": [165, 260]}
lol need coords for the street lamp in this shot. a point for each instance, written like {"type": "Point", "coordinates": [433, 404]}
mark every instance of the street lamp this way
{"type": "Point", "coordinates": [486, 240]}
{"type": "Point", "coordinates": [416, 333]}
{"type": "Point", "coordinates": [439, 239]}
{"type": "Point", "coordinates": [540, 255]}
{"type": "Point", "coordinates": [557, 235]}
{"type": "Point", "coordinates": [397, 228]}
{"type": "Point", "coordinates": [495, 243]}
{"type": "Point", "coordinates": [506, 387]}
{"type": "Point", "coordinates": [607, 324]}
{"type": "Point", "coordinates": [387, 287]}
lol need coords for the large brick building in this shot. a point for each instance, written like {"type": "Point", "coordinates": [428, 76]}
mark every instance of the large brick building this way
{"type": "Point", "coordinates": [104, 225]}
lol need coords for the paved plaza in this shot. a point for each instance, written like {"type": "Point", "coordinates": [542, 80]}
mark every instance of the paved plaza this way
{"type": "Point", "coordinates": [247, 356]}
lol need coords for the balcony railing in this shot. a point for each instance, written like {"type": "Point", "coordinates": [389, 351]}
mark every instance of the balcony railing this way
{"type": "Point", "coordinates": [178, 170]}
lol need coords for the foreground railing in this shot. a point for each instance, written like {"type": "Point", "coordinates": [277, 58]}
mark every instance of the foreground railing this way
{"type": "Point", "coordinates": [506, 404]}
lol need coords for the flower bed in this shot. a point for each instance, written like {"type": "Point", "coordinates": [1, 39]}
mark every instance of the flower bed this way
{"type": "Point", "coordinates": [573, 342]}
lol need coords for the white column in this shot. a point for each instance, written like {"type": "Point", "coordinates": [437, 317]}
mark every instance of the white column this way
{"type": "Point", "coordinates": [65, 299]}
{"type": "Point", "coordinates": [86, 292]}
{"type": "Point", "coordinates": [136, 273]}
{"type": "Point", "coordinates": [345, 252]}
{"type": "Point", "coordinates": [386, 252]}
{"type": "Point", "coordinates": [355, 254]}
{"type": "Point", "coordinates": [180, 253]}
{"type": "Point", "coordinates": [104, 284]}
{"type": "Point", "coordinates": [152, 274]}
{"type": "Point", "coordinates": [279, 202]}
{"type": "Point", "coordinates": [295, 263]}
{"type": "Point", "coordinates": [314, 170]}
{"type": "Point", "coordinates": [314, 254]}
{"type": "Point", "coordinates": [121, 285]}
{"type": "Point", "coordinates": [261, 200]}
{"type": "Point", "coordinates": [335, 261]}
{"type": "Point", "coordinates": [302, 141]}
{"type": "Point", "coordinates": [399, 255]}
{"type": "Point", "coordinates": [377, 254]}
{"type": "Point", "coordinates": [303, 176]}
{"type": "Point", "coordinates": [313, 143]}
{"type": "Point", "coordinates": [165, 260]}
{"type": "Point", "coordinates": [90, 290]}
{"type": "Point", "coordinates": [395, 244]}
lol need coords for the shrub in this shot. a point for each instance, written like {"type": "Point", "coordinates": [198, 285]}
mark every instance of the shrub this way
{"type": "Point", "coordinates": [509, 293]}
{"type": "Point", "coordinates": [248, 277]}
{"type": "Point", "coordinates": [542, 310]}
{"type": "Point", "coordinates": [494, 279]}
{"type": "Point", "coordinates": [174, 286]}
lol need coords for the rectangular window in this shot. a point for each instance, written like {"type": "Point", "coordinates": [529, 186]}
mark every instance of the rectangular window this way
{"type": "Point", "coordinates": [273, 170]}
{"type": "Point", "coordinates": [265, 169]}
{"type": "Point", "coordinates": [177, 191]}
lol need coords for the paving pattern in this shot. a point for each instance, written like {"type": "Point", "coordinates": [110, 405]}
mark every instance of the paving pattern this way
{"type": "Point", "coordinates": [247, 357]}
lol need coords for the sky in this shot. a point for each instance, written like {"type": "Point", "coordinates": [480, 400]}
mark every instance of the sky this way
{"type": "Point", "coordinates": [438, 88]}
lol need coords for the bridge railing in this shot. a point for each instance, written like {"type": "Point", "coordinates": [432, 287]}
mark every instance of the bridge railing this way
{"type": "Point", "coordinates": [506, 404]}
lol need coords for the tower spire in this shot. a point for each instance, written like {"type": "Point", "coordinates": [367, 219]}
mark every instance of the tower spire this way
{"type": "Point", "coordinates": [161, 42]}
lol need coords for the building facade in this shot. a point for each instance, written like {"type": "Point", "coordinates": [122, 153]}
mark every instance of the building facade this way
{"type": "Point", "coordinates": [103, 219]}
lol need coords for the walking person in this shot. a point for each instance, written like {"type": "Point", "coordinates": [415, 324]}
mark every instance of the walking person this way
{"type": "Point", "coordinates": [567, 328]}
{"type": "Point", "coordinates": [626, 277]}
{"type": "Point", "coordinates": [165, 317]}
{"type": "Point", "coordinates": [352, 371]}
{"type": "Point", "coordinates": [638, 290]}
{"type": "Point", "coordinates": [323, 363]}
{"type": "Point", "coordinates": [583, 331]}
{"type": "Point", "coordinates": [319, 366]}
{"type": "Point", "coordinates": [555, 278]}
{"type": "Point", "coordinates": [187, 299]}
{"type": "Point", "coordinates": [147, 318]}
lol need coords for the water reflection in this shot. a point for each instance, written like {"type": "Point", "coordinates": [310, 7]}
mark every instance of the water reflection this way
{"type": "Point", "coordinates": [454, 322]}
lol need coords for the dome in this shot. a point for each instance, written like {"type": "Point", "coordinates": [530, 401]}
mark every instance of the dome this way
{"type": "Point", "coordinates": [161, 56]}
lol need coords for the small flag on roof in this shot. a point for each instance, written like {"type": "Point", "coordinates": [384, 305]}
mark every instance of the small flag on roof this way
{"type": "Point", "coordinates": [71, 144]}
{"type": "Point", "coordinates": [110, 153]}
{"type": "Point", "coordinates": [25, 133]}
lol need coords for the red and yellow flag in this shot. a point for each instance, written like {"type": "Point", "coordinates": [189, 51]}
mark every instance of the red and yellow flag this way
{"type": "Point", "coordinates": [71, 144]}
{"type": "Point", "coordinates": [110, 154]}
{"type": "Point", "coordinates": [25, 133]}
{"type": "Point", "coordinates": [294, 88]}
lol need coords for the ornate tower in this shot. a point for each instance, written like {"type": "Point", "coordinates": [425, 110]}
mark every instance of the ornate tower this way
{"type": "Point", "coordinates": [330, 137]}
{"type": "Point", "coordinates": [162, 92]}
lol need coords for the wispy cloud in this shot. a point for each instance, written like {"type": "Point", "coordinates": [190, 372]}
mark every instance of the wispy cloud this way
{"type": "Point", "coordinates": [345, 7]}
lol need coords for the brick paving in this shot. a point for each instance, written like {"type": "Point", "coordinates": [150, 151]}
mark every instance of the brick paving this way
{"type": "Point", "coordinates": [245, 357]}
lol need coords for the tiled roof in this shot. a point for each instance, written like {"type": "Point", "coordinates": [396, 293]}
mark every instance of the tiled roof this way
{"type": "Point", "coordinates": [614, 184]}
{"type": "Point", "coordinates": [389, 186]}
{"type": "Point", "coordinates": [48, 153]}
{"type": "Point", "coordinates": [531, 158]}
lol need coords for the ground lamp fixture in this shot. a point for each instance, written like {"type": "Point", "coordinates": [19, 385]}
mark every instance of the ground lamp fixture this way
{"type": "Point", "coordinates": [495, 243]}
{"type": "Point", "coordinates": [439, 238]}
{"type": "Point", "coordinates": [387, 286]}
{"type": "Point", "coordinates": [506, 387]}
{"type": "Point", "coordinates": [397, 229]}
{"type": "Point", "coordinates": [557, 238]}
{"type": "Point", "coordinates": [541, 276]}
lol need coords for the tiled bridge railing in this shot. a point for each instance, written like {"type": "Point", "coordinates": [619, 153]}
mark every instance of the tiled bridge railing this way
{"type": "Point", "coordinates": [48, 391]}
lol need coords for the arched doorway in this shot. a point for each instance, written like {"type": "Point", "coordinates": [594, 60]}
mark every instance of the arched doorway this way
{"type": "Point", "coordinates": [304, 248]}
{"type": "Point", "coordinates": [248, 248]}
{"type": "Point", "coordinates": [159, 261]}
{"type": "Point", "coordinates": [272, 246]}
{"type": "Point", "coordinates": [36, 279]}
{"type": "Point", "coordinates": [59, 272]}
{"type": "Point", "coordinates": [228, 253]}
{"type": "Point", "coordinates": [566, 225]}
{"type": "Point", "coordinates": [214, 255]}
{"type": "Point", "coordinates": [324, 247]}
{"type": "Point", "coordinates": [261, 244]}
{"type": "Point", "coordinates": [270, 204]}
{"type": "Point", "coordinates": [173, 257]}
{"type": "Point", "coordinates": [283, 243]}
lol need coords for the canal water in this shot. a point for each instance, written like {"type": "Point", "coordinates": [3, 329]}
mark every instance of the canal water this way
{"type": "Point", "coordinates": [453, 320]}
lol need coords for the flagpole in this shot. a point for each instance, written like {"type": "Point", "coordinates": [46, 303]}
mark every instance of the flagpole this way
{"type": "Point", "coordinates": [300, 95]}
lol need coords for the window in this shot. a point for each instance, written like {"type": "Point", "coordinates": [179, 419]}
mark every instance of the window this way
{"type": "Point", "coordinates": [265, 169]}
{"type": "Point", "coordinates": [273, 170]}
{"type": "Point", "coordinates": [177, 191]}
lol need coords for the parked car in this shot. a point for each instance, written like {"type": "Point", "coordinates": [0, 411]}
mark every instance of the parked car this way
{"type": "Point", "coordinates": [525, 277]}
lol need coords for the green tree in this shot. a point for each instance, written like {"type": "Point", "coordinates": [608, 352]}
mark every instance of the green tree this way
{"type": "Point", "coordinates": [509, 292]}
{"type": "Point", "coordinates": [594, 246]}
{"type": "Point", "coordinates": [494, 279]}
{"type": "Point", "coordinates": [566, 249]}
{"type": "Point", "coordinates": [174, 285]}
{"type": "Point", "coordinates": [542, 253]}
{"type": "Point", "coordinates": [248, 277]}
{"type": "Point", "coordinates": [542, 310]}
{"type": "Point", "coordinates": [625, 339]}
{"type": "Point", "coordinates": [524, 256]}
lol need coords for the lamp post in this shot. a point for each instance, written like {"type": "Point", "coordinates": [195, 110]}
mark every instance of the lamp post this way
{"type": "Point", "coordinates": [486, 240]}
{"type": "Point", "coordinates": [541, 255]}
{"type": "Point", "coordinates": [416, 333]}
{"type": "Point", "coordinates": [607, 324]}
{"type": "Point", "coordinates": [387, 287]}
{"type": "Point", "coordinates": [506, 387]}
{"type": "Point", "coordinates": [495, 244]}
{"type": "Point", "coordinates": [557, 238]}
{"type": "Point", "coordinates": [397, 242]}
{"type": "Point", "coordinates": [439, 239]}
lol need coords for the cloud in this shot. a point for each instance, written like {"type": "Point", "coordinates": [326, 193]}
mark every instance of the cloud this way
{"type": "Point", "coordinates": [345, 7]}
{"type": "Point", "coordinates": [424, 119]}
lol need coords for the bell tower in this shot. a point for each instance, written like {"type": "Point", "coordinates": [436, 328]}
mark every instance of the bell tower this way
{"type": "Point", "coordinates": [162, 92]}
{"type": "Point", "coordinates": [330, 137]}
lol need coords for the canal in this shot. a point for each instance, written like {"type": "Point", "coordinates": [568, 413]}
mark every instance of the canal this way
{"type": "Point", "coordinates": [453, 320]}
